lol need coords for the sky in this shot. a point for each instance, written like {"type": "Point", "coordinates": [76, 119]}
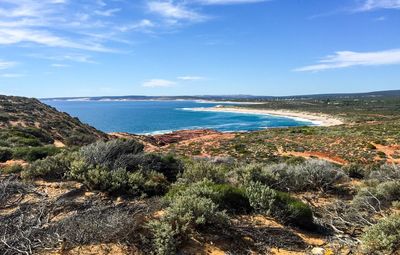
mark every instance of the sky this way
{"type": "Point", "coordinates": [67, 48]}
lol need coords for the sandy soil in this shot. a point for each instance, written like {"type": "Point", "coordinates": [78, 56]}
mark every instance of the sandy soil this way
{"type": "Point", "coordinates": [390, 151]}
{"type": "Point", "coordinates": [316, 118]}
{"type": "Point", "coordinates": [59, 144]}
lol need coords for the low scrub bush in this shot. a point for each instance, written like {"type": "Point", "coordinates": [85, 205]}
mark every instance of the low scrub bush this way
{"type": "Point", "coordinates": [12, 169]}
{"type": "Point", "coordinates": [106, 153]}
{"type": "Point", "coordinates": [166, 238]}
{"type": "Point", "coordinates": [199, 170]}
{"type": "Point", "coordinates": [279, 205]}
{"type": "Point", "coordinates": [384, 173]}
{"type": "Point", "coordinates": [121, 167]}
{"type": "Point", "coordinates": [311, 175]}
{"type": "Point", "coordinates": [354, 171]}
{"type": "Point", "coordinates": [378, 197]}
{"type": "Point", "coordinates": [51, 168]}
{"type": "Point", "coordinates": [121, 181]}
{"type": "Point", "coordinates": [226, 196]}
{"type": "Point", "coordinates": [22, 141]}
{"type": "Point", "coordinates": [185, 213]}
{"type": "Point", "coordinates": [34, 153]}
{"type": "Point", "coordinates": [167, 165]}
{"type": "Point", "coordinates": [383, 237]}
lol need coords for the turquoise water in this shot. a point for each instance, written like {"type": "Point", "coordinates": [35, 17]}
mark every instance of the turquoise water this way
{"type": "Point", "coordinates": [150, 117]}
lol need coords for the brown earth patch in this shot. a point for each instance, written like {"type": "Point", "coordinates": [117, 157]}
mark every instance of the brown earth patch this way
{"type": "Point", "coordinates": [390, 151]}
{"type": "Point", "coordinates": [59, 144]}
{"type": "Point", "coordinates": [320, 155]}
{"type": "Point", "coordinates": [13, 162]}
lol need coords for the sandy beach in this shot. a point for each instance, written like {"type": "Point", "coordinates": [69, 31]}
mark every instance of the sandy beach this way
{"type": "Point", "coordinates": [315, 118]}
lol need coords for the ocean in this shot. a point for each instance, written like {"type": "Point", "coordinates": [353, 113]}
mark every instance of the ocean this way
{"type": "Point", "coordinates": [157, 117]}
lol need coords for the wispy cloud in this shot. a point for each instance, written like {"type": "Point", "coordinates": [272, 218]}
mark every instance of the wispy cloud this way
{"type": "Point", "coordinates": [57, 23]}
{"type": "Point", "coordinates": [107, 13]}
{"type": "Point", "coordinates": [81, 58]}
{"type": "Point", "coordinates": [222, 2]}
{"type": "Point", "coordinates": [11, 75]}
{"type": "Point", "coordinates": [190, 78]}
{"type": "Point", "coordinates": [343, 59]}
{"type": "Point", "coordinates": [154, 83]}
{"type": "Point", "coordinates": [369, 5]}
{"type": "Point", "coordinates": [59, 65]}
{"type": "Point", "coordinates": [143, 25]}
{"type": "Point", "coordinates": [13, 36]}
{"type": "Point", "coordinates": [178, 11]}
{"type": "Point", "coordinates": [7, 64]}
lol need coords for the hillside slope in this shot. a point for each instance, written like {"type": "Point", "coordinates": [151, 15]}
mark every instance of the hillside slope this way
{"type": "Point", "coordinates": [31, 119]}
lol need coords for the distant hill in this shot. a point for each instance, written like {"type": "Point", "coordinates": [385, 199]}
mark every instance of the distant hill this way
{"type": "Point", "coordinates": [29, 118]}
{"type": "Point", "coordinates": [250, 98]}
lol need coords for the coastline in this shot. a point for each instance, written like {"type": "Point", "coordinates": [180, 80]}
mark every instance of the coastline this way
{"type": "Point", "coordinates": [316, 118]}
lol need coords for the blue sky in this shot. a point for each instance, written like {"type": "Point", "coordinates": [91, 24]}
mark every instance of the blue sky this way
{"type": "Point", "coordinates": [51, 48]}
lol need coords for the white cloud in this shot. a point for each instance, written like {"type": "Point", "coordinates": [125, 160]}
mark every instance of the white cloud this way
{"type": "Point", "coordinates": [11, 75]}
{"type": "Point", "coordinates": [7, 64]}
{"type": "Point", "coordinates": [142, 25]}
{"type": "Point", "coordinates": [190, 78]}
{"type": "Point", "coordinates": [67, 57]}
{"type": "Point", "coordinates": [107, 13]}
{"type": "Point", "coordinates": [59, 65]}
{"type": "Point", "coordinates": [13, 36]}
{"type": "Point", "coordinates": [380, 4]}
{"type": "Point", "coordinates": [222, 2]}
{"type": "Point", "coordinates": [176, 11]}
{"type": "Point", "coordinates": [343, 59]}
{"type": "Point", "coordinates": [153, 83]}
{"type": "Point", "coordinates": [56, 23]}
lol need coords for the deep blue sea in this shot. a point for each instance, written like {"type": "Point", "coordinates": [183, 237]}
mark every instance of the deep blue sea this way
{"type": "Point", "coordinates": [152, 117]}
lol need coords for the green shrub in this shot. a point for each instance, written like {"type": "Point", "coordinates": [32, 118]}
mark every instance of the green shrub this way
{"type": "Point", "coordinates": [279, 205]}
{"type": "Point", "coordinates": [245, 173]}
{"type": "Point", "coordinates": [190, 207]}
{"type": "Point", "coordinates": [120, 181]}
{"type": "Point", "coordinates": [225, 196]}
{"type": "Point", "coordinates": [50, 168]}
{"type": "Point", "coordinates": [384, 237]}
{"type": "Point", "coordinates": [34, 153]}
{"type": "Point", "coordinates": [311, 175]}
{"type": "Point", "coordinates": [79, 139]}
{"type": "Point", "coordinates": [167, 165]}
{"type": "Point", "coordinates": [165, 237]}
{"type": "Point", "coordinates": [261, 197]}
{"type": "Point", "coordinates": [106, 153]}
{"type": "Point", "coordinates": [199, 170]}
{"type": "Point", "coordinates": [354, 171]}
{"type": "Point", "coordinates": [12, 169]}
{"type": "Point", "coordinates": [293, 211]}
{"type": "Point", "coordinates": [384, 173]}
{"type": "Point", "coordinates": [22, 141]}
{"type": "Point", "coordinates": [5, 154]}
{"type": "Point", "coordinates": [378, 197]}
{"type": "Point", "coordinates": [193, 210]}
{"type": "Point", "coordinates": [185, 213]}
{"type": "Point", "coordinates": [295, 160]}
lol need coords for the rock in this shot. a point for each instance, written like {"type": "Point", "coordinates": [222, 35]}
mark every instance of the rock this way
{"type": "Point", "coordinates": [318, 251]}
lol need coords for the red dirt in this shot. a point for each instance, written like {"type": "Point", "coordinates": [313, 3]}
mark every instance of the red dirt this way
{"type": "Point", "coordinates": [320, 155]}
{"type": "Point", "coordinates": [390, 151]}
